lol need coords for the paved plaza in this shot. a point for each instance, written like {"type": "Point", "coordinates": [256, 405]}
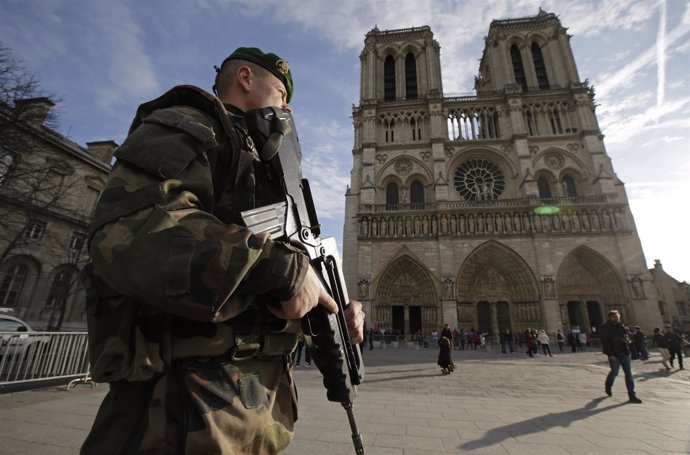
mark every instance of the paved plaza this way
{"type": "Point", "coordinates": [493, 404]}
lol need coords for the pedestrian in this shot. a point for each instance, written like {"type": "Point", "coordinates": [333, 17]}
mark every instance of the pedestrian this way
{"type": "Point", "coordinates": [509, 340]}
{"type": "Point", "coordinates": [297, 353]}
{"type": "Point", "coordinates": [659, 341]}
{"type": "Point", "coordinates": [446, 332]}
{"type": "Point", "coordinates": [529, 342]}
{"type": "Point", "coordinates": [582, 341]}
{"type": "Point", "coordinates": [543, 339]}
{"type": "Point", "coordinates": [560, 339]}
{"type": "Point", "coordinates": [675, 346]}
{"type": "Point", "coordinates": [615, 344]}
{"type": "Point", "coordinates": [634, 353]}
{"type": "Point", "coordinates": [371, 339]}
{"type": "Point", "coordinates": [185, 302]}
{"type": "Point", "coordinates": [444, 360]}
{"type": "Point", "coordinates": [641, 343]}
{"type": "Point", "coordinates": [572, 341]}
{"type": "Point", "coordinates": [503, 341]}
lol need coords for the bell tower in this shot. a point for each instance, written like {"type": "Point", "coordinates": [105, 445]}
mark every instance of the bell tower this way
{"type": "Point", "coordinates": [400, 65]}
{"type": "Point", "coordinates": [527, 55]}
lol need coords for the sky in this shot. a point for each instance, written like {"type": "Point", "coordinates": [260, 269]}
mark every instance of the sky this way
{"type": "Point", "coordinates": [104, 58]}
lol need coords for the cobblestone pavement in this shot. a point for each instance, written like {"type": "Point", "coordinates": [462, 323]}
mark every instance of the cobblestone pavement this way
{"type": "Point", "coordinates": [492, 404]}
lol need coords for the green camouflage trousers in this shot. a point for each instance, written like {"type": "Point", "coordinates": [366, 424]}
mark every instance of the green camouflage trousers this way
{"type": "Point", "coordinates": [199, 407]}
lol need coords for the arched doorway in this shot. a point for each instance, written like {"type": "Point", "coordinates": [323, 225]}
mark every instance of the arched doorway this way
{"type": "Point", "coordinates": [497, 283]}
{"type": "Point", "coordinates": [588, 286]}
{"type": "Point", "coordinates": [406, 300]}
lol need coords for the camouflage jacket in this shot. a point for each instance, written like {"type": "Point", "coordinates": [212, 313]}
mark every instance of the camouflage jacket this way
{"type": "Point", "coordinates": [171, 270]}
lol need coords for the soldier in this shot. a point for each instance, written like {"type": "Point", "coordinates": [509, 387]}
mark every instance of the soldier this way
{"type": "Point", "coordinates": [187, 309]}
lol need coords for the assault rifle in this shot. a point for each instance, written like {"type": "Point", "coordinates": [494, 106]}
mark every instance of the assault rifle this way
{"type": "Point", "coordinates": [294, 221]}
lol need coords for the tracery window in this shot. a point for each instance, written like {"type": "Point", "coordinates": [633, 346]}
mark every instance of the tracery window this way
{"type": "Point", "coordinates": [539, 66]}
{"type": "Point", "coordinates": [518, 69]}
{"type": "Point", "coordinates": [392, 198]}
{"type": "Point", "coordinates": [410, 76]}
{"type": "Point", "coordinates": [417, 194]}
{"type": "Point", "coordinates": [12, 284]}
{"type": "Point", "coordinates": [479, 180]}
{"type": "Point", "coordinates": [389, 78]}
{"type": "Point", "coordinates": [569, 187]}
{"type": "Point", "coordinates": [544, 188]}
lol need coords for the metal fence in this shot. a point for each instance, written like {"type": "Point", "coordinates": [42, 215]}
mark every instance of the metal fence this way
{"type": "Point", "coordinates": [42, 356]}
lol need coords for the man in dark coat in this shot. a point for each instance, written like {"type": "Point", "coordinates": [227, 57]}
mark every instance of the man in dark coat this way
{"type": "Point", "coordinates": [615, 344]}
{"type": "Point", "coordinates": [675, 346]}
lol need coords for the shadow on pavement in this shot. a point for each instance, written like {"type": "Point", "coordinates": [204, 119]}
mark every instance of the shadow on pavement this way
{"type": "Point", "coordinates": [538, 424]}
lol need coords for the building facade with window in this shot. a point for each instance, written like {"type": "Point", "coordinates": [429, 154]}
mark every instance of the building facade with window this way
{"type": "Point", "coordinates": [495, 211]}
{"type": "Point", "coordinates": [674, 299]}
{"type": "Point", "coordinates": [48, 189]}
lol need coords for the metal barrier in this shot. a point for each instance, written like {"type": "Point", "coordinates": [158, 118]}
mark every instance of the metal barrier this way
{"type": "Point", "coordinates": [42, 356]}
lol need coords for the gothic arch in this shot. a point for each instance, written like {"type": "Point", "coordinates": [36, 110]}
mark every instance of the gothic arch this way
{"type": "Point", "coordinates": [551, 182]}
{"type": "Point", "coordinates": [423, 178]}
{"type": "Point", "coordinates": [494, 272]}
{"type": "Point", "coordinates": [483, 153]}
{"type": "Point", "coordinates": [411, 48]}
{"type": "Point", "coordinates": [540, 38]}
{"type": "Point", "coordinates": [587, 272]}
{"type": "Point", "coordinates": [419, 168]}
{"type": "Point", "coordinates": [588, 286]}
{"type": "Point", "coordinates": [571, 160]}
{"type": "Point", "coordinates": [404, 284]}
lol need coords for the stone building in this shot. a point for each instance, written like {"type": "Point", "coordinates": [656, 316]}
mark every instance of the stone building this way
{"type": "Point", "coordinates": [496, 211]}
{"type": "Point", "coordinates": [674, 299]}
{"type": "Point", "coordinates": [48, 189]}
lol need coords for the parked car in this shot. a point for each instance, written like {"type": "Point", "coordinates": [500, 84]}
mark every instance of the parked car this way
{"type": "Point", "coordinates": [18, 338]}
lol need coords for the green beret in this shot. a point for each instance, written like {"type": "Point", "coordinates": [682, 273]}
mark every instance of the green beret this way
{"type": "Point", "coordinates": [271, 62]}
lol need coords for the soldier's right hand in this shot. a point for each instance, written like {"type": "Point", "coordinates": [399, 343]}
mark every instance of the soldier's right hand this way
{"type": "Point", "coordinates": [307, 297]}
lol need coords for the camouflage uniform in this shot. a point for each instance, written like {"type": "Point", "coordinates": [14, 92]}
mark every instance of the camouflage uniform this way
{"type": "Point", "coordinates": [177, 288]}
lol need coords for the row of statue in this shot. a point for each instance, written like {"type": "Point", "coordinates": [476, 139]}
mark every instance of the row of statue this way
{"type": "Point", "coordinates": [584, 220]}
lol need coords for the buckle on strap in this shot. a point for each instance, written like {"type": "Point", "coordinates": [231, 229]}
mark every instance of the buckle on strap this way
{"type": "Point", "coordinates": [263, 343]}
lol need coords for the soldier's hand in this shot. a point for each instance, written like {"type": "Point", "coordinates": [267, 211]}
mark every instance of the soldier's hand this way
{"type": "Point", "coordinates": [308, 296]}
{"type": "Point", "coordinates": [354, 316]}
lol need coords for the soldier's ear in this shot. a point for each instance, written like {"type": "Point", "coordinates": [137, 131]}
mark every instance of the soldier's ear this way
{"type": "Point", "coordinates": [244, 77]}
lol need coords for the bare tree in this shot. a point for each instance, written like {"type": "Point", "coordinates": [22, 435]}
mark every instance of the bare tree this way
{"type": "Point", "coordinates": [36, 184]}
{"type": "Point", "coordinates": [17, 83]}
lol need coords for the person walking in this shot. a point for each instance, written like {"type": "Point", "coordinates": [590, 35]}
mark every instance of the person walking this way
{"type": "Point", "coordinates": [675, 346]}
{"type": "Point", "coordinates": [529, 341]}
{"type": "Point", "coordinates": [582, 341]}
{"type": "Point", "coordinates": [659, 341]}
{"type": "Point", "coordinates": [641, 343]}
{"type": "Point", "coordinates": [615, 344]}
{"type": "Point", "coordinates": [444, 360]}
{"type": "Point", "coordinates": [560, 339]}
{"type": "Point", "coordinates": [543, 339]}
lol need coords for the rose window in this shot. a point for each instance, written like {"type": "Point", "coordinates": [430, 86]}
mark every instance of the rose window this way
{"type": "Point", "coordinates": [479, 180]}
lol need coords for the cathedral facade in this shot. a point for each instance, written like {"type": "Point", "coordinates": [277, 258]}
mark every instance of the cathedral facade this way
{"type": "Point", "coordinates": [496, 211]}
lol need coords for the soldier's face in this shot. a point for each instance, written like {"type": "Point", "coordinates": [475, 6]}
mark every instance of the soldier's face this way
{"type": "Point", "coordinates": [267, 91]}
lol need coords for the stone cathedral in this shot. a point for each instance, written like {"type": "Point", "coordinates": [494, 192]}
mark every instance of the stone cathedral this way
{"type": "Point", "coordinates": [496, 211]}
